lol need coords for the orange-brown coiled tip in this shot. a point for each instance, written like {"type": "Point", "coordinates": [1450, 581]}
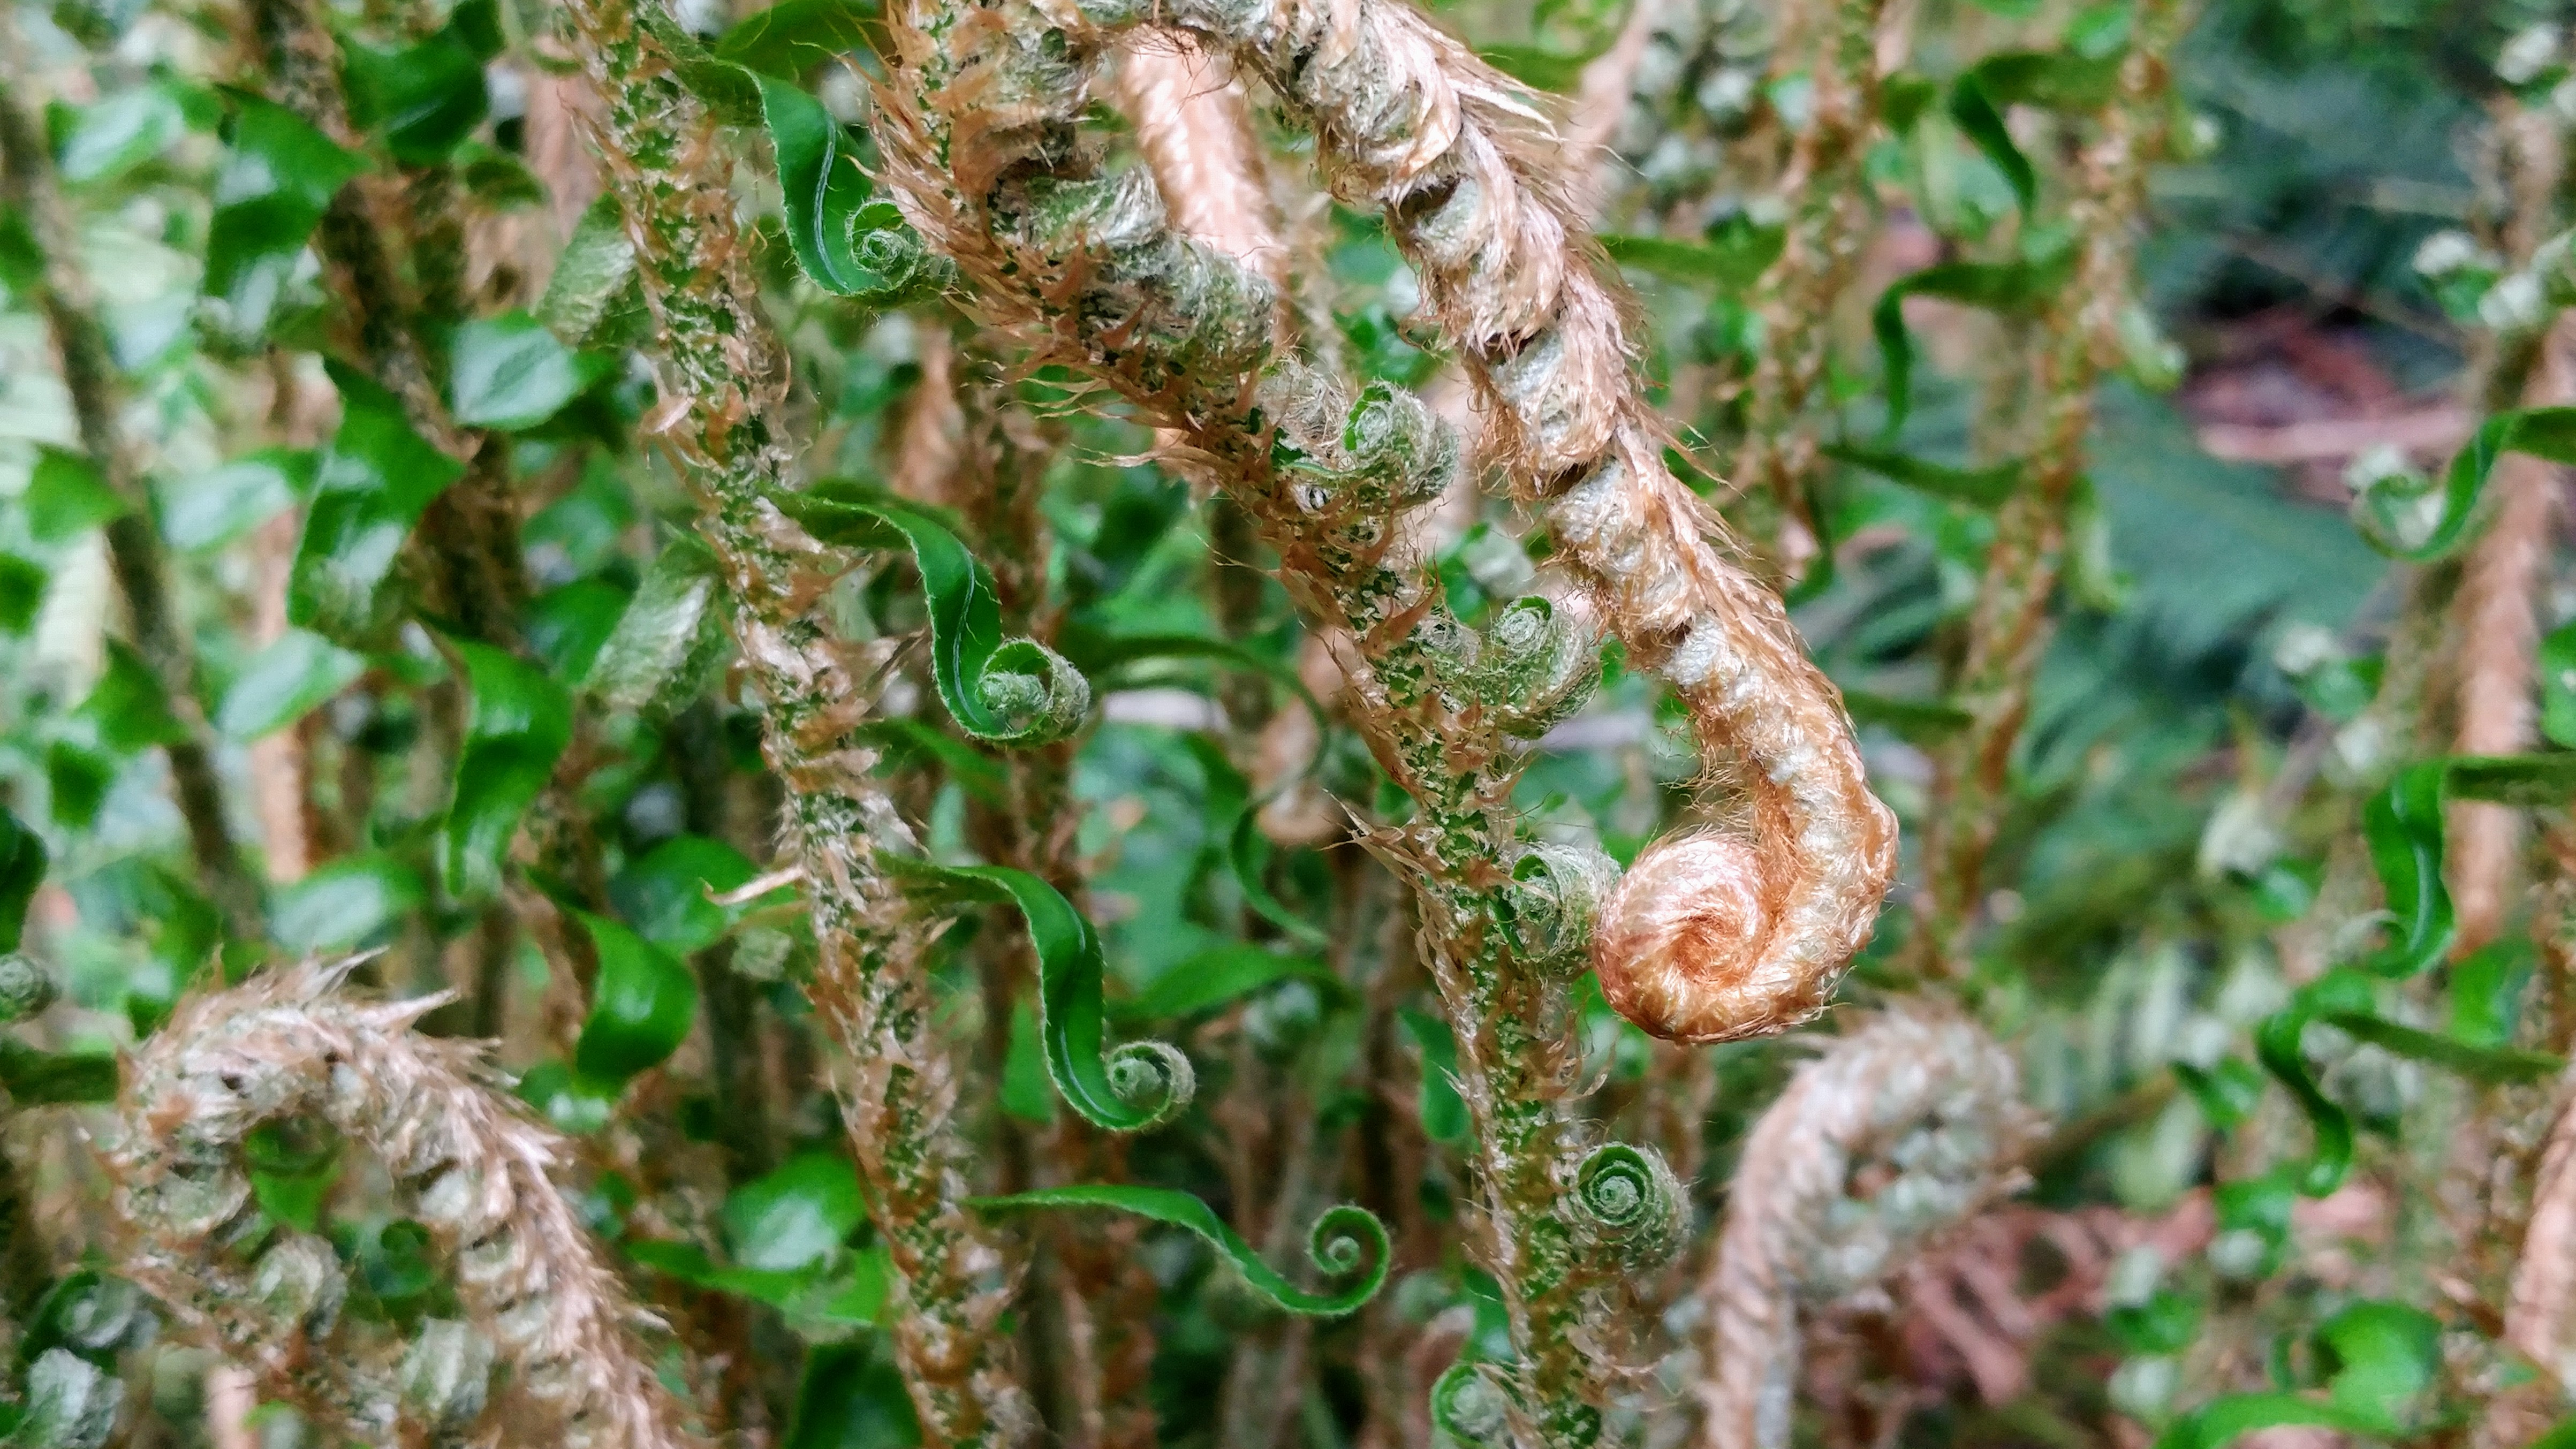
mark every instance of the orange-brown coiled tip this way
{"type": "Point", "coordinates": [1680, 947]}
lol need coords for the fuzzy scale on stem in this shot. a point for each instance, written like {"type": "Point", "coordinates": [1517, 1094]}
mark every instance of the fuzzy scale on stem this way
{"type": "Point", "coordinates": [1717, 936]}
{"type": "Point", "coordinates": [1920, 1093]}
{"type": "Point", "coordinates": [285, 1048]}
{"type": "Point", "coordinates": [720, 364]}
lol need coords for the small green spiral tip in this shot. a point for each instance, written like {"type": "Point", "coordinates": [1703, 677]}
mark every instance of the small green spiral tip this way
{"type": "Point", "coordinates": [1394, 436]}
{"type": "Point", "coordinates": [1348, 1245]}
{"type": "Point", "coordinates": [25, 987]}
{"type": "Point", "coordinates": [1553, 902]}
{"type": "Point", "coordinates": [1469, 1406]}
{"type": "Point", "coordinates": [1153, 1077]}
{"type": "Point", "coordinates": [2395, 508]}
{"type": "Point", "coordinates": [1538, 667]}
{"type": "Point", "coordinates": [447, 1374]}
{"type": "Point", "coordinates": [1631, 1204]}
{"type": "Point", "coordinates": [71, 1403]}
{"type": "Point", "coordinates": [1037, 693]}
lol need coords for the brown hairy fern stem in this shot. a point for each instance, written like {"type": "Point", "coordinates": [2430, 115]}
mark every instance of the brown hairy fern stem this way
{"type": "Point", "coordinates": [981, 145]}
{"type": "Point", "coordinates": [68, 304]}
{"type": "Point", "coordinates": [1897, 1131]}
{"type": "Point", "coordinates": [1830, 205]}
{"type": "Point", "coordinates": [721, 375]}
{"type": "Point", "coordinates": [547, 1351]}
{"type": "Point", "coordinates": [2009, 626]}
{"type": "Point", "coordinates": [2498, 626]}
{"type": "Point", "coordinates": [1715, 936]}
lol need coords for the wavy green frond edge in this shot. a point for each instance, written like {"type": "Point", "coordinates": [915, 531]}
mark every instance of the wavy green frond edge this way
{"type": "Point", "coordinates": [1346, 1240]}
{"type": "Point", "coordinates": [1131, 1088]}
{"type": "Point", "coordinates": [1001, 691]}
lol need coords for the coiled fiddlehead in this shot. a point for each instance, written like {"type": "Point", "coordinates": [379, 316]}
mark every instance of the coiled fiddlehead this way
{"type": "Point", "coordinates": [1921, 1094]}
{"type": "Point", "coordinates": [1631, 1204]}
{"type": "Point", "coordinates": [1463, 168]}
{"type": "Point", "coordinates": [474, 1168]}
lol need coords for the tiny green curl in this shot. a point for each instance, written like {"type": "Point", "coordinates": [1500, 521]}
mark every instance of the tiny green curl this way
{"type": "Point", "coordinates": [1553, 901]}
{"type": "Point", "coordinates": [1631, 1204]}
{"type": "Point", "coordinates": [1346, 1243]}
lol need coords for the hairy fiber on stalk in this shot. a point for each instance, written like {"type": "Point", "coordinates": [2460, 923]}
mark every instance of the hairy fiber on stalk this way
{"type": "Point", "coordinates": [547, 1350]}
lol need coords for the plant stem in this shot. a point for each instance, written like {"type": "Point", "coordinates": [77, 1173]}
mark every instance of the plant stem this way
{"type": "Point", "coordinates": [718, 358]}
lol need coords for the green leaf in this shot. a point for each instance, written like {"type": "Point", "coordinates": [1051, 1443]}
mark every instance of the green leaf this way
{"type": "Point", "coordinates": [2276, 1045]}
{"type": "Point", "coordinates": [275, 185]}
{"type": "Point", "coordinates": [2487, 1066]}
{"type": "Point", "coordinates": [1005, 692]}
{"type": "Point", "coordinates": [2487, 988]}
{"type": "Point", "coordinates": [372, 486]}
{"type": "Point", "coordinates": [1976, 487]}
{"type": "Point", "coordinates": [2386, 1356]}
{"type": "Point", "coordinates": [1219, 977]}
{"type": "Point", "coordinates": [907, 741]}
{"type": "Point", "coordinates": [567, 627]}
{"type": "Point", "coordinates": [2224, 1420]}
{"type": "Point", "coordinates": [788, 39]}
{"type": "Point", "coordinates": [216, 507]}
{"type": "Point", "coordinates": [128, 706]}
{"type": "Point", "coordinates": [594, 274]}
{"type": "Point", "coordinates": [670, 637]}
{"type": "Point", "coordinates": [78, 780]}
{"type": "Point", "coordinates": [1444, 1112]}
{"type": "Point", "coordinates": [1916, 721]}
{"type": "Point", "coordinates": [352, 901]}
{"type": "Point", "coordinates": [641, 1007]}
{"type": "Point", "coordinates": [1235, 817]}
{"type": "Point", "coordinates": [1982, 122]}
{"type": "Point", "coordinates": [1734, 266]}
{"type": "Point", "coordinates": [2000, 287]}
{"type": "Point", "coordinates": [66, 497]}
{"type": "Point", "coordinates": [22, 869]}
{"type": "Point", "coordinates": [510, 373]}
{"type": "Point", "coordinates": [1347, 1242]}
{"type": "Point", "coordinates": [2054, 80]}
{"type": "Point", "coordinates": [121, 131]}
{"type": "Point", "coordinates": [1137, 1086]}
{"type": "Point", "coordinates": [37, 1078]}
{"type": "Point", "coordinates": [520, 724]}
{"type": "Point", "coordinates": [572, 1102]}
{"type": "Point", "coordinates": [1025, 1094]}
{"type": "Point", "coordinates": [584, 531]}
{"type": "Point", "coordinates": [2403, 826]}
{"type": "Point", "coordinates": [285, 682]}
{"type": "Point", "coordinates": [2557, 667]}
{"type": "Point", "coordinates": [2530, 782]}
{"type": "Point", "coordinates": [2548, 433]}
{"type": "Point", "coordinates": [22, 592]}
{"type": "Point", "coordinates": [851, 1396]}
{"type": "Point", "coordinates": [1536, 66]}
{"type": "Point", "coordinates": [2226, 1093]}
{"type": "Point", "coordinates": [425, 98]}
{"type": "Point", "coordinates": [664, 895]}
{"type": "Point", "coordinates": [845, 243]}
{"type": "Point", "coordinates": [797, 1217]}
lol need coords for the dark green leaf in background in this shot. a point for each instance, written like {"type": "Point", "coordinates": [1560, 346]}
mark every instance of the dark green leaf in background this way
{"type": "Point", "coordinates": [793, 37]}
{"type": "Point", "coordinates": [2403, 825]}
{"type": "Point", "coordinates": [664, 895]}
{"type": "Point", "coordinates": [22, 592]}
{"type": "Point", "coordinates": [641, 1005]}
{"type": "Point", "coordinates": [344, 903]}
{"type": "Point", "coordinates": [425, 98]}
{"type": "Point", "coordinates": [520, 723]}
{"type": "Point", "coordinates": [128, 706]}
{"type": "Point", "coordinates": [285, 682]}
{"type": "Point", "coordinates": [22, 869]}
{"type": "Point", "coordinates": [66, 497]}
{"type": "Point", "coordinates": [373, 485]}
{"type": "Point", "coordinates": [671, 634]}
{"type": "Point", "coordinates": [220, 505]}
{"type": "Point", "coordinates": [77, 779]}
{"type": "Point", "coordinates": [796, 1217]}
{"type": "Point", "coordinates": [595, 272]}
{"type": "Point", "coordinates": [118, 132]}
{"type": "Point", "coordinates": [509, 372]}
{"type": "Point", "coordinates": [277, 182]}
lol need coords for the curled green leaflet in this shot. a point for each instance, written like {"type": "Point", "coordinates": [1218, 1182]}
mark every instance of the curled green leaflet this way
{"type": "Point", "coordinates": [1236, 816]}
{"type": "Point", "coordinates": [2403, 825]}
{"type": "Point", "coordinates": [1138, 1085]}
{"type": "Point", "coordinates": [850, 246]}
{"type": "Point", "coordinates": [2389, 510]}
{"type": "Point", "coordinates": [1001, 691]}
{"type": "Point", "coordinates": [641, 1006]}
{"type": "Point", "coordinates": [1469, 1405]}
{"type": "Point", "coordinates": [1347, 1242]}
{"type": "Point", "coordinates": [1630, 1204]}
{"type": "Point", "coordinates": [521, 722]}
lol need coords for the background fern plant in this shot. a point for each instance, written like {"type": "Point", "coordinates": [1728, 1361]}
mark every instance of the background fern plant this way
{"type": "Point", "coordinates": [1734, 722]}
